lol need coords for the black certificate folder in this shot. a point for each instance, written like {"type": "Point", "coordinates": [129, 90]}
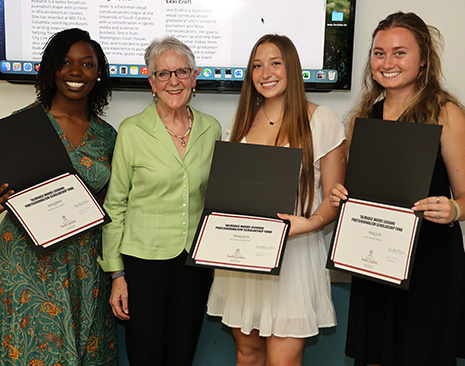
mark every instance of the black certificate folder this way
{"type": "Point", "coordinates": [248, 185]}
{"type": "Point", "coordinates": [390, 168]}
{"type": "Point", "coordinates": [31, 150]}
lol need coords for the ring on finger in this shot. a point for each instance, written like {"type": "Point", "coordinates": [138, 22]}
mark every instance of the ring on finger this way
{"type": "Point", "coordinates": [330, 199]}
{"type": "Point", "coordinates": [437, 214]}
{"type": "Point", "coordinates": [437, 199]}
{"type": "Point", "coordinates": [335, 185]}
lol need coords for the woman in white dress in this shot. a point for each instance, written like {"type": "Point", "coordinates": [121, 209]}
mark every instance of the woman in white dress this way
{"type": "Point", "coordinates": [271, 316]}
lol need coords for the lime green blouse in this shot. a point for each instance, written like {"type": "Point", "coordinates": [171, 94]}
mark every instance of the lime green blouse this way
{"type": "Point", "coordinates": [155, 197]}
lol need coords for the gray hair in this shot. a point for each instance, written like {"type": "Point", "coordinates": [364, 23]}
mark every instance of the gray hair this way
{"type": "Point", "coordinates": [159, 46]}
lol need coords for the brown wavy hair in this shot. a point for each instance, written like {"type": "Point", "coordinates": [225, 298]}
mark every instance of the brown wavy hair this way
{"type": "Point", "coordinates": [295, 126]}
{"type": "Point", "coordinates": [430, 97]}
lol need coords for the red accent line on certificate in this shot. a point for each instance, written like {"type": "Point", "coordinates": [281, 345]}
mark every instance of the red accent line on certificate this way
{"type": "Point", "coordinates": [380, 205]}
{"type": "Point", "coordinates": [224, 264]}
{"type": "Point", "coordinates": [280, 245]}
{"type": "Point", "coordinates": [71, 233]}
{"type": "Point", "coordinates": [412, 239]}
{"type": "Point", "coordinates": [90, 194]}
{"type": "Point", "coordinates": [372, 272]}
{"type": "Point", "coordinates": [41, 184]}
{"type": "Point", "coordinates": [68, 234]}
{"type": "Point", "coordinates": [18, 216]}
{"type": "Point", "coordinates": [245, 216]}
{"type": "Point", "coordinates": [337, 234]}
{"type": "Point", "coordinates": [200, 236]}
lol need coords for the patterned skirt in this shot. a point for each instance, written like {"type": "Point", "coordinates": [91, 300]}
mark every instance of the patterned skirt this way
{"type": "Point", "coordinates": [54, 307]}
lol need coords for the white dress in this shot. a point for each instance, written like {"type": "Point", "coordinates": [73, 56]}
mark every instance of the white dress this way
{"type": "Point", "coordinates": [298, 301]}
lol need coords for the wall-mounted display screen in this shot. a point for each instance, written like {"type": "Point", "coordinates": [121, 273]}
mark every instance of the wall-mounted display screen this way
{"type": "Point", "coordinates": [220, 33]}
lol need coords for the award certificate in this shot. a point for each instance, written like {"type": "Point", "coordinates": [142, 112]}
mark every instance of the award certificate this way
{"type": "Point", "coordinates": [56, 209]}
{"type": "Point", "coordinates": [240, 242]}
{"type": "Point", "coordinates": [374, 240]}
{"type": "Point", "coordinates": [390, 167]}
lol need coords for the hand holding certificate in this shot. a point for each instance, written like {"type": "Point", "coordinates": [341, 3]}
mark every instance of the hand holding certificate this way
{"type": "Point", "coordinates": [56, 210]}
{"type": "Point", "coordinates": [390, 167]}
{"type": "Point", "coordinates": [384, 236]}
{"type": "Point", "coordinates": [50, 202]}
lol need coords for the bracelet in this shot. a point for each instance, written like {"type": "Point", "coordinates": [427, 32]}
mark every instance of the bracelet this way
{"type": "Point", "coordinates": [322, 219]}
{"type": "Point", "coordinates": [457, 210]}
{"type": "Point", "coordinates": [117, 274]}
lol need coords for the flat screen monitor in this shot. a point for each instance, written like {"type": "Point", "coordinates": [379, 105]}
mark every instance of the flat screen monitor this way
{"type": "Point", "coordinates": [221, 34]}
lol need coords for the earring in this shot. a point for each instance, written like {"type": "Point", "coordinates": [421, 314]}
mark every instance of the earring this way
{"type": "Point", "coordinates": [258, 99]}
{"type": "Point", "coordinates": [98, 79]}
{"type": "Point", "coordinates": [193, 91]}
{"type": "Point", "coordinates": [154, 95]}
{"type": "Point", "coordinates": [421, 70]}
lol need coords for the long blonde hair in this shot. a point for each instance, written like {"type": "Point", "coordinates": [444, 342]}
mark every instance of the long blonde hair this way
{"type": "Point", "coordinates": [430, 97]}
{"type": "Point", "coordinates": [295, 126]}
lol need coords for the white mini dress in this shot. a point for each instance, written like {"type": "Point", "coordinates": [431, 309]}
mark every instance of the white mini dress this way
{"type": "Point", "coordinates": [298, 301]}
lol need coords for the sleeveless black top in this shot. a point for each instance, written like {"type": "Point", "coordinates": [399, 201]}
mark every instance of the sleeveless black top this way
{"type": "Point", "coordinates": [426, 324]}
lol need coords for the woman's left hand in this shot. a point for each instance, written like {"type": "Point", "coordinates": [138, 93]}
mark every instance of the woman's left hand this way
{"type": "Point", "coordinates": [436, 209]}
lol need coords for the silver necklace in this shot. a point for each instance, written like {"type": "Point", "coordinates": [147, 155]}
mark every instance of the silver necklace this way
{"type": "Point", "coordinates": [181, 138]}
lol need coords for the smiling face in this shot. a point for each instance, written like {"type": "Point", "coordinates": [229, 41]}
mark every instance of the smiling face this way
{"type": "Point", "coordinates": [174, 92]}
{"type": "Point", "coordinates": [79, 73]}
{"type": "Point", "coordinates": [269, 73]}
{"type": "Point", "coordinates": [396, 60]}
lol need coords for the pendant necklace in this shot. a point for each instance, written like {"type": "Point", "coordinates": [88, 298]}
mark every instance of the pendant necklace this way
{"type": "Point", "coordinates": [181, 138]}
{"type": "Point", "coordinates": [268, 118]}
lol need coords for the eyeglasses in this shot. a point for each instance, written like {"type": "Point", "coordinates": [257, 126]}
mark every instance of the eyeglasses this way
{"type": "Point", "coordinates": [164, 75]}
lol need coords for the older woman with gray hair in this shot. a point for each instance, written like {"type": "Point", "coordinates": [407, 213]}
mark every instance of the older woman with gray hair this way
{"type": "Point", "coordinates": [155, 198]}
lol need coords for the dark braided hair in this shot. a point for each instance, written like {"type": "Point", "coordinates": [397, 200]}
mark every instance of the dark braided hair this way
{"type": "Point", "coordinates": [53, 56]}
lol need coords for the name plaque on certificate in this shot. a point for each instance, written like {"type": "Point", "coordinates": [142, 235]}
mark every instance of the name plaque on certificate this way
{"type": "Point", "coordinates": [239, 228]}
{"type": "Point", "coordinates": [56, 210]}
{"type": "Point", "coordinates": [390, 168]}
{"type": "Point", "coordinates": [250, 243]}
{"type": "Point", "coordinates": [375, 240]}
